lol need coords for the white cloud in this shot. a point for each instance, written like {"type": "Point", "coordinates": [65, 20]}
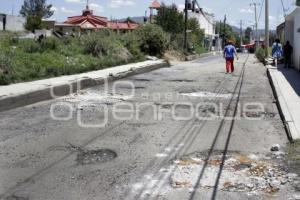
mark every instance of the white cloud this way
{"type": "Point", "coordinates": [246, 10]}
{"type": "Point", "coordinates": [53, 8]}
{"type": "Point", "coordinates": [96, 7]}
{"type": "Point", "coordinates": [271, 18]}
{"type": "Point", "coordinates": [75, 1]}
{"type": "Point", "coordinates": [120, 3]}
{"type": "Point", "coordinates": [65, 10]}
{"type": "Point", "coordinates": [181, 7]}
{"type": "Point", "coordinates": [207, 9]}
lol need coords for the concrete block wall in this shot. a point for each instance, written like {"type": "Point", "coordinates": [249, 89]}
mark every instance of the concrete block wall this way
{"type": "Point", "coordinates": [13, 23]}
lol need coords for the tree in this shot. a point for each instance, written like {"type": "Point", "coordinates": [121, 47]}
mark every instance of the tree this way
{"type": "Point", "coordinates": [248, 33]}
{"type": "Point", "coordinates": [229, 33]}
{"type": "Point", "coordinates": [129, 20]}
{"type": "Point", "coordinates": [197, 34]}
{"type": "Point", "coordinates": [170, 19]}
{"type": "Point", "coordinates": [34, 11]}
{"type": "Point", "coordinates": [152, 39]}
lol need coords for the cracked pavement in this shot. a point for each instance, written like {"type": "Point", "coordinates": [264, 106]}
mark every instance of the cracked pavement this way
{"type": "Point", "coordinates": [152, 153]}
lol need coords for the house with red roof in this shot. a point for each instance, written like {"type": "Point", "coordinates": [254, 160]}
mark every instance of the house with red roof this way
{"type": "Point", "coordinates": [88, 22]}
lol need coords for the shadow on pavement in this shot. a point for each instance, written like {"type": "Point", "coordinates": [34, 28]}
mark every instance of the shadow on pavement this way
{"type": "Point", "coordinates": [292, 76]}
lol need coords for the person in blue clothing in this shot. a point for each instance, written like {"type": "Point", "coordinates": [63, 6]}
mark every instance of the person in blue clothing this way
{"type": "Point", "coordinates": [229, 53]}
{"type": "Point", "coordinates": [277, 51]}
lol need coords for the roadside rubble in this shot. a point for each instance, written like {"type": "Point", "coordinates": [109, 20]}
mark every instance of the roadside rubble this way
{"type": "Point", "coordinates": [250, 173]}
{"type": "Point", "coordinates": [241, 173]}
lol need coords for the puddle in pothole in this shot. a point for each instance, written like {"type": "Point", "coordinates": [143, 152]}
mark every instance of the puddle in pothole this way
{"type": "Point", "coordinates": [206, 95]}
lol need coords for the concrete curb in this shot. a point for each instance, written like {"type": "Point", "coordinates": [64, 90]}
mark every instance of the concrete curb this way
{"type": "Point", "coordinates": [45, 92]}
{"type": "Point", "coordinates": [197, 56]}
{"type": "Point", "coordinates": [282, 105]}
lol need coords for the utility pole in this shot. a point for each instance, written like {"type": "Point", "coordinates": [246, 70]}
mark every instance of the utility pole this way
{"type": "Point", "coordinates": [256, 23]}
{"type": "Point", "coordinates": [224, 30]}
{"type": "Point", "coordinates": [220, 28]}
{"type": "Point", "coordinates": [267, 28]}
{"type": "Point", "coordinates": [241, 32]}
{"type": "Point", "coordinates": [185, 24]}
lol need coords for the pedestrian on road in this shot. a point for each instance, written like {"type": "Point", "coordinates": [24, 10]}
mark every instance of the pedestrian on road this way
{"type": "Point", "coordinates": [287, 53]}
{"type": "Point", "coordinates": [229, 52]}
{"type": "Point", "coordinates": [277, 51]}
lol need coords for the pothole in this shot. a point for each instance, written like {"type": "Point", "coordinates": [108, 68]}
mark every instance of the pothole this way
{"type": "Point", "coordinates": [253, 174]}
{"type": "Point", "coordinates": [87, 156]}
{"type": "Point", "coordinates": [181, 80]}
{"type": "Point", "coordinates": [95, 156]}
{"type": "Point", "coordinates": [141, 79]}
{"type": "Point", "coordinates": [265, 115]}
{"type": "Point", "coordinates": [14, 197]}
{"type": "Point", "coordinates": [206, 95]}
{"type": "Point", "coordinates": [241, 173]}
{"type": "Point", "coordinates": [130, 88]}
{"type": "Point", "coordinates": [90, 98]}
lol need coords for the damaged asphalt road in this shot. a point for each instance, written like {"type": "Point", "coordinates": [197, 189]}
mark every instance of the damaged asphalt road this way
{"type": "Point", "coordinates": [158, 135]}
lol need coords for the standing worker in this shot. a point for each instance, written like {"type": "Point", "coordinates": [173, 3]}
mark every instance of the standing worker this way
{"type": "Point", "coordinates": [229, 52]}
{"type": "Point", "coordinates": [287, 53]}
{"type": "Point", "coordinates": [277, 51]}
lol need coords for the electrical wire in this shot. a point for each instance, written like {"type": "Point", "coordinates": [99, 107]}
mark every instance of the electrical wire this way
{"type": "Point", "coordinates": [261, 9]}
{"type": "Point", "coordinates": [203, 13]}
{"type": "Point", "coordinates": [284, 10]}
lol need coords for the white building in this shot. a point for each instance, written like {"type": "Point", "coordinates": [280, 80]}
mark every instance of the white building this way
{"type": "Point", "coordinates": [11, 22]}
{"type": "Point", "coordinates": [207, 23]}
{"type": "Point", "coordinates": [292, 33]}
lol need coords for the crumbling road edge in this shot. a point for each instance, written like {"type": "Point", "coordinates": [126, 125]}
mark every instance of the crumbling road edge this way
{"type": "Point", "coordinates": [43, 94]}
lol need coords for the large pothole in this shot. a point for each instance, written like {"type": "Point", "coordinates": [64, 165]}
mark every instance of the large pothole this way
{"type": "Point", "coordinates": [95, 156]}
{"type": "Point", "coordinates": [88, 156]}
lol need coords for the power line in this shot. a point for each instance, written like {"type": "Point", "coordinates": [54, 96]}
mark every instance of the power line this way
{"type": "Point", "coordinates": [225, 7]}
{"type": "Point", "coordinates": [283, 8]}
{"type": "Point", "coordinates": [261, 9]}
{"type": "Point", "coordinates": [203, 13]}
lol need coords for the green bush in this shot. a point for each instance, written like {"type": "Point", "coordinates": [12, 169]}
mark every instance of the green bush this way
{"type": "Point", "coordinates": [152, 39]}
{"type": "Point", "coordinates": [176, 42]}
{"type": "Point", "coordinates": [132, 43]}
{"type": "Point", "coordinates": [49, 43]}
{"type": "Point", "coordinates": [260, 54]}
{"type": "Point", "coordinates": [29, 45]}
{"type": "Point", "coordinates": [26, 59]}
{"type": "Point", "coordinates": [101, 43]}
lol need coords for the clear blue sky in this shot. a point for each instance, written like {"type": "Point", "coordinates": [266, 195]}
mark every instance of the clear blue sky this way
{"type": "Point", "coordinates": [234, 9]}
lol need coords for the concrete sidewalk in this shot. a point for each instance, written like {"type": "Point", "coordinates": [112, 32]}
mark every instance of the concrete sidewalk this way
{"type": "Point", "coordinates": [286, 85]}
{"type": "Point", "coordinates": [21, 94]}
